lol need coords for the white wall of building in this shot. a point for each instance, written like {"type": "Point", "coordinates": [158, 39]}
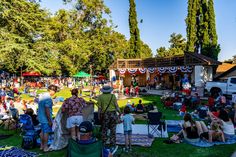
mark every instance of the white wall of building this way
{"type": "Point", "coordinates": [202, 75]}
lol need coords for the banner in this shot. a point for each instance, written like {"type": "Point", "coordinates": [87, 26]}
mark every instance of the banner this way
{"type": "Point", "coordinates": [172, 70]}
{"type": "Point", "coordinates": [162, 69]}
{"type": "Point", "coordinates": [142, 70]}
{"type": "Point", "coordinates": [132, 71]}
{"type": "Point", "coordinates": [122, 71]}
{"type": "Point", "coordinates": [186, 69]}
{"type": "Point", "coordinates": [151, 70]}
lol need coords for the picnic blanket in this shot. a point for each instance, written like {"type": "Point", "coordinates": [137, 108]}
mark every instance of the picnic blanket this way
{"type": "Point", "coordinates": [137, 140]}
{"type": "Point", "coordinates": [173, 125]}
{"type": "Point", "coordinates": [16, 152]}
{"type": "Point", "coordinates": [141, 129]}
{"type": "Point", "coordinates": [203, 143]}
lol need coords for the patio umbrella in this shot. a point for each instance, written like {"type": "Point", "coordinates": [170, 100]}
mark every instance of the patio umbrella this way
{"type": "Point", "coordinates": [31, 73]}
{"type": "Point", "coordinates": [82, 74]}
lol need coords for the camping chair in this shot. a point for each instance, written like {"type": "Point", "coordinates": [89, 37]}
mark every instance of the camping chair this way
{"type": "Point", "coordinates": [84, 150]}
{"type": "Point", "coordinates": [15, 116]}
{"type": "Point", "coordinates": [155, 124]}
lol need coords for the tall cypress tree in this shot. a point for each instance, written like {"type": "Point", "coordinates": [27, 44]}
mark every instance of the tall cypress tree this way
{"type": "Point", "coordinates": [211, 48]}
{"type": "Point", "coordinates": [203, 35]}
{"type": "Point", "coordinates": [191, 22]}
{"type": "Point", "coordinates": [212, 23]}
{"type": "Point", "coordinates": [214, 47]}
{"type": "Point", "coordinates": [201, 30]}
{"type": "Point", "coordinates": [135, 43]}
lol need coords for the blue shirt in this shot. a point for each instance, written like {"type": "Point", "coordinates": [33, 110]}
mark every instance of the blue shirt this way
{"type": "Point", "coordinates": [127, 119]}
{"type": "Point", "coordinates": [45, 101]}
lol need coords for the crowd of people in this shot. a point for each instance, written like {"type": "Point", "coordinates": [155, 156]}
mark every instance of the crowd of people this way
{"type": "Point", "coordinates": [109, 115]}
{"type": "Point", "coordinates": [214, 118]}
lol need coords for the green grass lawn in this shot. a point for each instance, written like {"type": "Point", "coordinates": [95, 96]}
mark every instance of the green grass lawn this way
{"type": "Point", "coordinates": [158, 149]}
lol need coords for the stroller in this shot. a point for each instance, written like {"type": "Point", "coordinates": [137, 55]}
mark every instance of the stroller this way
{"type": "Point", "coordinates": [29, 133]}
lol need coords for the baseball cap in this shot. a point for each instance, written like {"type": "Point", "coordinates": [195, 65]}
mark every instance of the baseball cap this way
{"type": "Point", "coordinates": [86, 127]}
{"type": "Point", "coordinates": [53, 88]}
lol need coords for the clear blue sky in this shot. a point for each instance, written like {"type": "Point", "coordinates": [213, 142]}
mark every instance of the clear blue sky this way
{"type": "Point", "coordinates": [163, 17]}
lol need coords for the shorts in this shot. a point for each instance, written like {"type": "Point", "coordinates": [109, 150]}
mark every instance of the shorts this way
{"type": "Point", "coordinates": [46, 128]}
{"type": "Point", "coordinates": [129, 132]}
{"type": "Point", "coordinates": [74, 121]}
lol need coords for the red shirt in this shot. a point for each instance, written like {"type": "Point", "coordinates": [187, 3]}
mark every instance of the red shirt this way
{"type": "Point", "coordinates": [183, 108]}
{"type": "Point", "coordinates": [211, 101]}
{"type": "Point", "coordinates": [216, 114]}
{"type": "Point", "coordinates": [168, 103]}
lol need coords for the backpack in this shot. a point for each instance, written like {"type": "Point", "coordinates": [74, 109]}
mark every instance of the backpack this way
{"type": "Point", "coordinates": [29, 140]}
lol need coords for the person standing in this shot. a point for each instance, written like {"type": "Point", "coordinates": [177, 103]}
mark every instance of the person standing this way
{"type": "Point", "coordinates": [73, 106]}
{"type": "Point", "coordinates": [127, 120]}
{"type": "Point", "coordinates": [107, 109]}
{"type": "Point", "coordinates": [45, 115]}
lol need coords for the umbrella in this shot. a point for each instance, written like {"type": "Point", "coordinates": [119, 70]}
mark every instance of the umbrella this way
{"type": "Point", "coordinates": [32, 73]}
{"type": "Point", "coordinates": [82, 74]}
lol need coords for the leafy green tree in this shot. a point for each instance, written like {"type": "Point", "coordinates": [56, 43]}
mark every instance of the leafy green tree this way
{"type": "Point", "coordinates": [145, 50]}
{"type": "Point", "coordinates": [135, 42]}
{"type": "Point", "coordinates": [61, 44]}
{"type": "Point", "coordinates": [177, 46]}
{"type": "Point", "coordinates": [177, 41]}
{"type": "Point", "coordinates": [21, 23]}
{"type": "Point", "coordinates": [162, 52]}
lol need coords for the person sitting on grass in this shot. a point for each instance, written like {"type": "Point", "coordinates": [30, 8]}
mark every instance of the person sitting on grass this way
{"type": "Point", "coordinates": [215, 133]}
{"type": "Point", "coordinates": [33, 116]}
{"type": "Point", "coordinates": [168, 103]}
{"type": "Point", "coordinates": [192, 130]}
{"type": "Point", "coordinates": [86, 137]}
{"type": "Point", "coordinates": [140, 107]}
{"type": "Point", "coordinates": [182, 110]}
{"type": "Point", "coordinates": [225, 122]}
{"type": "Point", "coordinates": [2, 109]}
{"type": "Point", "coordinates": [195, 100]}
{"type": "Point", "coordinates": [128, 120]}
{"type": "Point", "coordinates": [130, 106]}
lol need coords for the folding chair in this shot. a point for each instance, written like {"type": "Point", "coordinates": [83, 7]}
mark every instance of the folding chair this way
{"type": "Point", "coordinates": [84, 150]}
{"type": "Point", "coordinates": [155, 124]}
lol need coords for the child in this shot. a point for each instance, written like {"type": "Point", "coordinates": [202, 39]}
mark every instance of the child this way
{"type": "Point", "coordinates": [128, 120]}
{"type": "Point", "coordinates": [215, 133]}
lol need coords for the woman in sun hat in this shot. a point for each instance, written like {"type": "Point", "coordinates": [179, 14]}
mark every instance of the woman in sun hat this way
{"type": "Point", "coordinates": [107, 109]}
